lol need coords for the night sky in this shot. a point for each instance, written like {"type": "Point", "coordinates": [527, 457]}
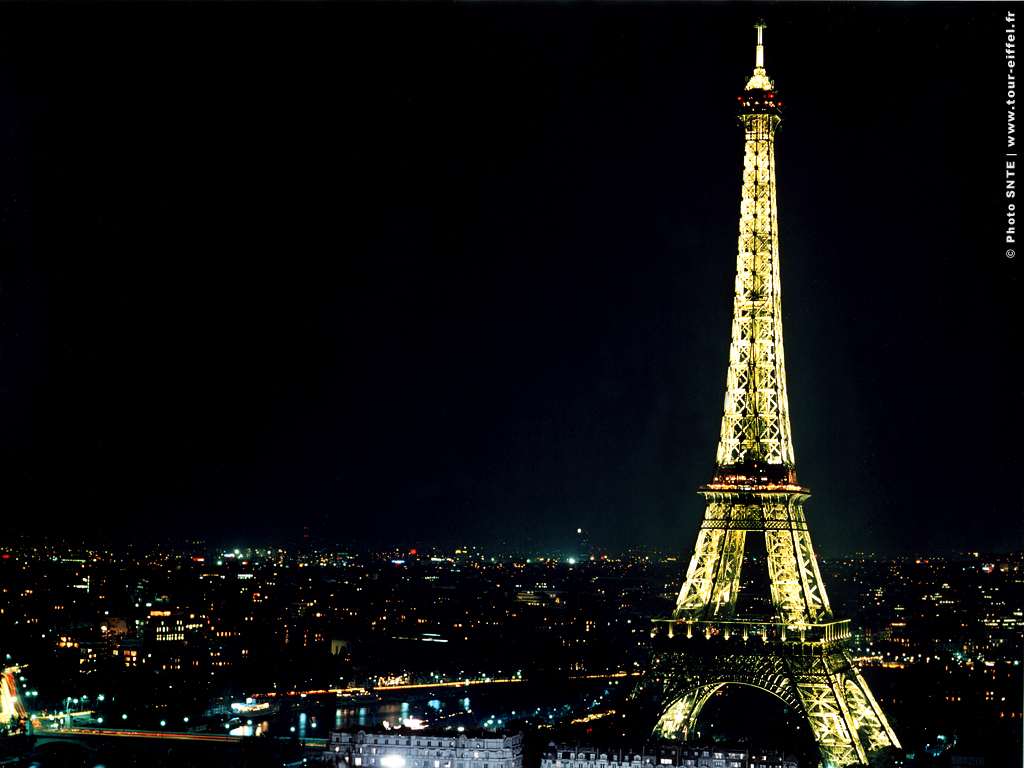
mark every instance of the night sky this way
{"type": "Point", "coordinates": [464, 273]}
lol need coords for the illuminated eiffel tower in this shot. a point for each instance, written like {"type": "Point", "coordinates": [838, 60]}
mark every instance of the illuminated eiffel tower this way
{"type": "Point", "coordinates": [791, 646]}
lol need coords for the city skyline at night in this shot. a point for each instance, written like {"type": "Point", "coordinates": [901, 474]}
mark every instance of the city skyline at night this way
{"type": "Point", "coordinates": [464, 273]}
{"type": "Point", "coordinates": [157, 635]}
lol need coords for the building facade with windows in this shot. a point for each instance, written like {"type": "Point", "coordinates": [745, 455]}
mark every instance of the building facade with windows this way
{"type": "Point", "coordinates": [666, 753]}
{"type": "Point", "coordinates": [406, 748]}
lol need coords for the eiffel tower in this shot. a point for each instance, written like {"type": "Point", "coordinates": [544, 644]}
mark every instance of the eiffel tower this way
{"type": "Point", "coordinates": [789, 644]}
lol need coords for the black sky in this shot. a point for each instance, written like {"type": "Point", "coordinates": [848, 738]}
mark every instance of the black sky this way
{"type": "Point", "coordinates": [464, 272]}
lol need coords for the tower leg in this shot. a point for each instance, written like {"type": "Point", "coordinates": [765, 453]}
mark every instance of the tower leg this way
{"type": "Point", "coordinates": [713, 578]}
{"type": "Point", "coordinates": [846, 721]}
{"type": "Point", "coordinates": [680, 721]}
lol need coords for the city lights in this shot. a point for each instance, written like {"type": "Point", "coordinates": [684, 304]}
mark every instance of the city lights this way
{"type": "Point", "coordinates": [322, 331]}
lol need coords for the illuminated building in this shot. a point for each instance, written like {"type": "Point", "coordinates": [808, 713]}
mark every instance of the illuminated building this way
{"type": "Point", "coordinates": [82, 646]}
{"type": "Point", "coordinates": [759, 759]}
{"type": "Point", "coordinates": [786, 642]}
{"type": "Point", "coordinates": [407, 748]}
{"type": "Point", "coordinates": [172, 626]}
{"type": "Point", "coordinates": [668, 753]}
{"type": "Point", "coordinates": [128, 651]}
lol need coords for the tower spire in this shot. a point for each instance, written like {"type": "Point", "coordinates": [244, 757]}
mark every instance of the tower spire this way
{"type": "Point", "coordinates": [760, 78]}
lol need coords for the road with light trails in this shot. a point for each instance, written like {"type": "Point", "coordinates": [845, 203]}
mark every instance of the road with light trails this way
{"type": "Point", "coordinates": [179, 735]}
{"type": "Point", "coordinates": [206, 746]}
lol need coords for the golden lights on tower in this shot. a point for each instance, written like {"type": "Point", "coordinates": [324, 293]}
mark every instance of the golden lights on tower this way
{"type": "Point", "coordinates": [789, 643]}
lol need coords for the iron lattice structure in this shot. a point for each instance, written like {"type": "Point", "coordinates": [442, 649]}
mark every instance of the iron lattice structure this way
{"type": "Point", "coordinates": [797, 650]}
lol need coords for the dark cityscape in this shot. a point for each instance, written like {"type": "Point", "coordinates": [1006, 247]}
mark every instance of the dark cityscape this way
{"type": "Point", "coordinates": [170, 635]}
{"type": "Point", "coordinates": [362, 370]}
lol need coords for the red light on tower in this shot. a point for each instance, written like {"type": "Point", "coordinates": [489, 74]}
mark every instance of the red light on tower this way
{"type": "Point", "coordinates": [412, 551]}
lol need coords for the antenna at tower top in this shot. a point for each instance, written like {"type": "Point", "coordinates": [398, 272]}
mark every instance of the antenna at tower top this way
{"type": "Point", "coordinates": [760, 78]}
{"type": "Point", "coordinates": [760, 46]}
